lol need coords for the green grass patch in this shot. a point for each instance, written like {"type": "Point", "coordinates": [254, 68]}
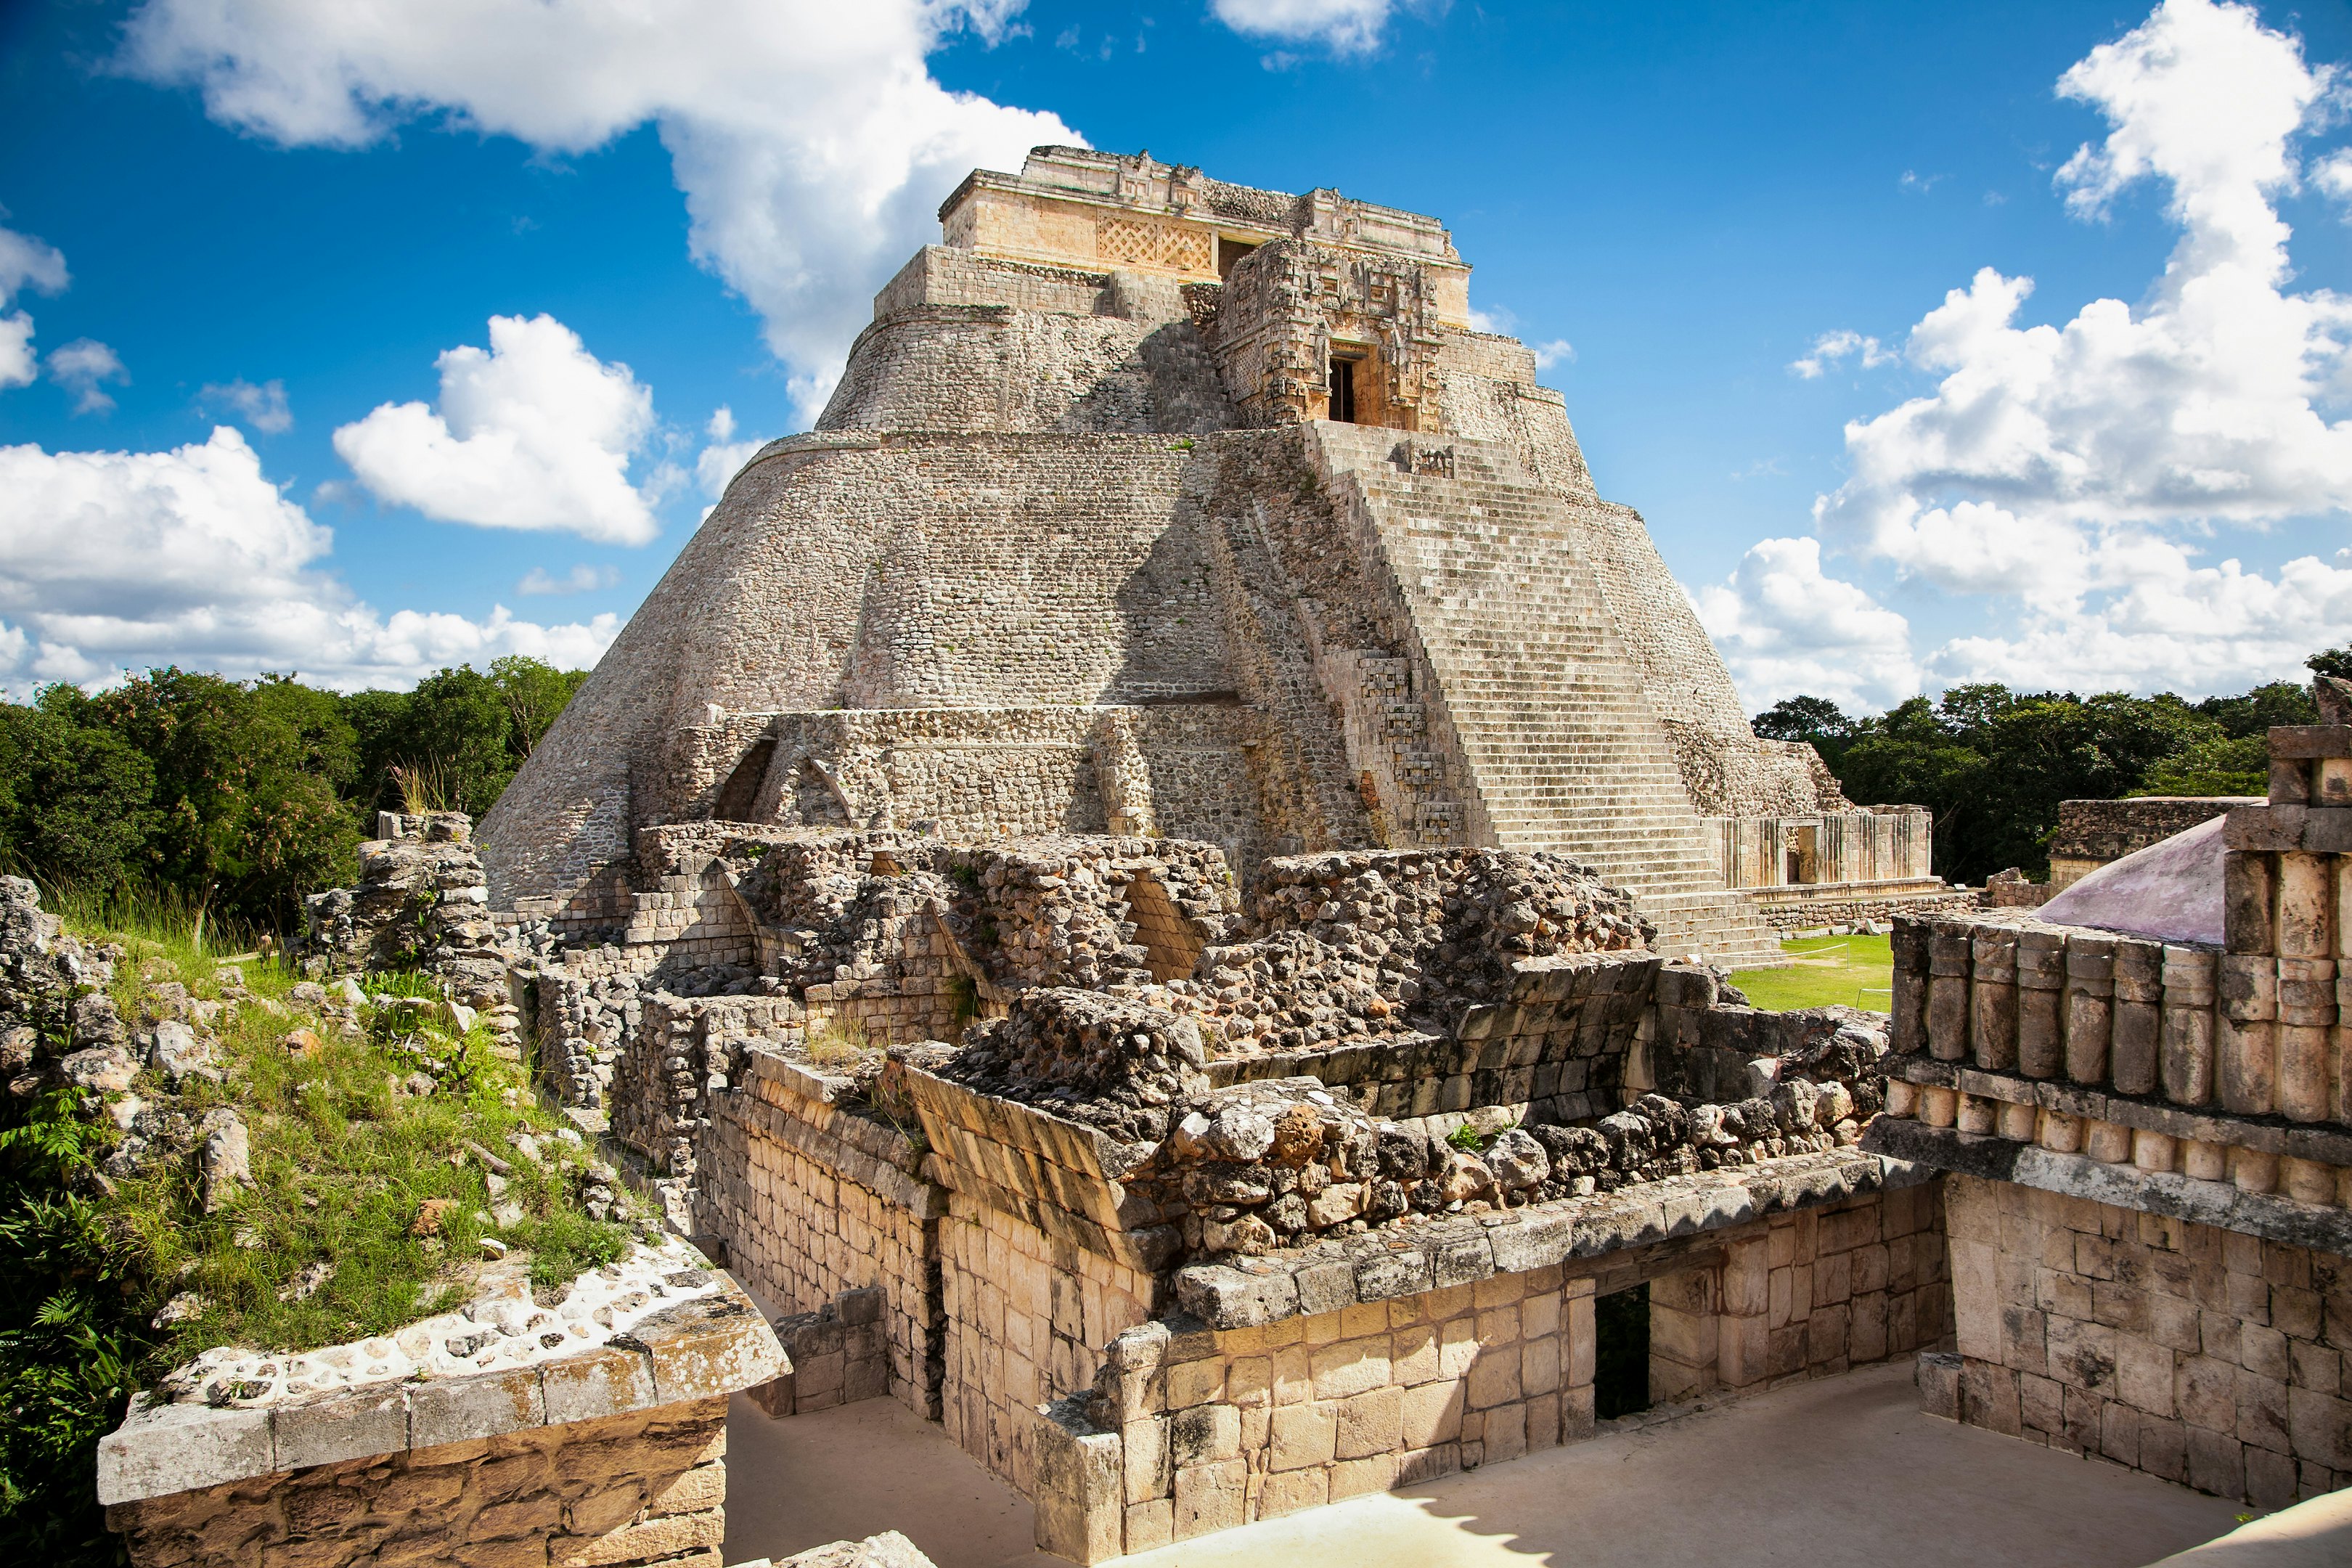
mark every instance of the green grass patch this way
{"type": "Point", "coordinates": [1848, 971]}
{"type": "Point", "coordinates": [350, 1139]}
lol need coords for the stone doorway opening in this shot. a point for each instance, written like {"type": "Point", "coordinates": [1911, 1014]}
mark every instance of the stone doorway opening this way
{"type": "Point", "coordinates": [1620, 1353]}
{"type": "Point", "coordinates": [1804, 856]}
{"type": "Point", "coordinates": [1343, 390]}
{"type": "Point", "coordinates": [1229, 253]}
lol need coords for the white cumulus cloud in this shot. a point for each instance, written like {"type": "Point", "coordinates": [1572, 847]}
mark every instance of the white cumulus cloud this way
{"type": "Point", "coordinates": [719, 461]}
{"type": "Point", "coordinates": [535, 433]}
{"type": "Point", "coordinates": [264, 406]}
{"type": "Point", "coordinates": [1832, 347]}
{"type": "Point", "coordinates": [112, 562]}
{"type": "Point", "coordinates": [581, 579]}
{"type": "Point", "coordinates": [1347, 27]}
{"type": "Point", "coordinates": [1785, 628]}
{"type": "Point", "coordinates": [811, 140]}
{"type": "Point", "coordinates": [25, 263]}
{"type": "Point", "coordinates": [83, 367]}
{"type": "Point", "coordinates": [2076, 472]}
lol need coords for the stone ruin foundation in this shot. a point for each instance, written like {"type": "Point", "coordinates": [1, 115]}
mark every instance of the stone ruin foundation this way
{"type": "Point", "coordinates": [1216, 1205]}
{"type": "Point", "coordinates": [1179, 929]}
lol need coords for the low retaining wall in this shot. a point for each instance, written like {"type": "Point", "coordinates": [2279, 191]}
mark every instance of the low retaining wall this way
{"type": "Point", "coordinates": [611, 1456]}
{"type": "Point", "coordinates": [1803, 907]}
{"type": "Point", "coordinates": [643, 1489]}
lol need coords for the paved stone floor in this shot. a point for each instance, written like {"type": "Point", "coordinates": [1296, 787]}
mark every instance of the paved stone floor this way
{"type": "Point", "coordinates": [1842, 1471]}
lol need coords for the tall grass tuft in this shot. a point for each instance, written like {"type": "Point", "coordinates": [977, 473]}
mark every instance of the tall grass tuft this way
{"type": "Point", "coordinates": [188, 932]}
{"type": "Point", "coordinates": [424, 786]}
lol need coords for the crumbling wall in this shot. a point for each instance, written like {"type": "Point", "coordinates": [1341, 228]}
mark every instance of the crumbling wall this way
{"type": "Point", "coordinates": [817, 1198]}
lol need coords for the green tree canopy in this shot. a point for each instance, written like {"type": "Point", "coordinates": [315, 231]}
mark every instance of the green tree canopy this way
{"type": "Point", "coordinates": [242, 797]}
{"type": "Point", "coordinates": [1992, 764]}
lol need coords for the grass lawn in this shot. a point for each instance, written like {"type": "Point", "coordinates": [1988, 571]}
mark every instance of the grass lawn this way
{"type": "Point", "coordinates": [1857, 970]}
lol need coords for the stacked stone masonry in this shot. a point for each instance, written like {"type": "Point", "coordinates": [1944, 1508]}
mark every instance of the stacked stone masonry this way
{"type": "Point", "coordinates": [2199, 1354]}
{"type": "Point", "coordinates": [1189, 1428]}
{"type": "Point", "coordinates": [2150, 1149]}
{"type": "Point", "coordinates": [619, 1492]}
{"type": "Point", "coordinates": [1084, 544]}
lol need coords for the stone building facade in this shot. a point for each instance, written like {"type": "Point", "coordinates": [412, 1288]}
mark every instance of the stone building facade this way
{"type": "Point", "coordinates": [1152, 504]}
{"type": "Point", "coordinates": [2150, 1149]}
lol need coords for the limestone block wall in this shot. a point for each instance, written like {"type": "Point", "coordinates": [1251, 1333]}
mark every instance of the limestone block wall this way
{"type": "Point", "coordinates": [640, 1489]}
{"type": "Point", "coordinates": [1808, 1294]}
{"type": "Point", "coordinates": [944, 275]}
{"type": "Point", "coordinates": [1026, 1317]}
{"type": "Point", "coordinates": [1313, 1379]}
{"type": "Point", "coordinates": [2199, 1354]}
{"type": "Point", "coordinates": [1795, 908]}
{"type": "Point", "coordinates": [815, 1202]}
{"type": "Point", "coordinates": [1219, 1429]}
{"type": "Point", "coordinates": [606, 1453]}
{"type": "Point", "coordinates": [998, 367]}
{"type": "Point", "coordinates": [2092, 832]}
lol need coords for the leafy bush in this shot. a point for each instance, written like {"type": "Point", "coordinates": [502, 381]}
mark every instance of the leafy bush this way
{"type": "Point", "coordinates": [350, 1139]}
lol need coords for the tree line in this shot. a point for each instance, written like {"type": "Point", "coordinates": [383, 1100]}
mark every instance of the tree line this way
{"type": "Point", "coordinates": [240, 796]}
{"type": "Point", "coordinates": [1992, 764]}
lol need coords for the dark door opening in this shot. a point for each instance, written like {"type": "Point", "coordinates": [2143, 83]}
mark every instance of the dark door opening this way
{"type": "Point", "coordinates": [1343, 390]}
{"type": "Point", "coordinates": [1230, 251]}
{"type": "Point", "coordinates": [1621, 1354]}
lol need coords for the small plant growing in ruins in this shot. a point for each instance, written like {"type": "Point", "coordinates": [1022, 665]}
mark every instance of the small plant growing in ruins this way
{"type": "Point", "coordinates": [964, 996]}
{"type": "Point", "coordinates": [836, 1043]}
{"type": "Point", "coordinates": [1466, 1138]}
{"type": "Point", "coordinates": [424, 786]}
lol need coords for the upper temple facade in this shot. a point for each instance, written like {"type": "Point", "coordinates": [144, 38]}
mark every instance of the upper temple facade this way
{"type": "Point", "coordinates": [1149, 504]}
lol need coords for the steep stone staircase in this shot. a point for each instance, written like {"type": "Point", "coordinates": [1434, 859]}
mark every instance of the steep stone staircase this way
{"type": "Point", "coordinates": [1563, 747]}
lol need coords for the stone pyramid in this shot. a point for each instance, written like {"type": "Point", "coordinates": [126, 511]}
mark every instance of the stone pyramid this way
{"type": "Point", "coordinates": [1152, 504]}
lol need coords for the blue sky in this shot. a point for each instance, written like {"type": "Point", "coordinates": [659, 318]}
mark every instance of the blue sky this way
{"type": "Point", "coordinates": [211, 204]}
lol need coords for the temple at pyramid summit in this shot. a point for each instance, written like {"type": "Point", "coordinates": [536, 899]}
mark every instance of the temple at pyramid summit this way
{"type": "Point", "coordinates": [1155, 505]}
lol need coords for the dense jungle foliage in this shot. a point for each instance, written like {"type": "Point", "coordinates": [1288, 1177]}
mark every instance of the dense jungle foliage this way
{"type": "Point", "coordinates": [239, 797]}
{"type": "Point", "coordinates": [1993, 764]}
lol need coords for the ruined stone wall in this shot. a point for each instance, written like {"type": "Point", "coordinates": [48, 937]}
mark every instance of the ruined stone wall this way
{"type": "Point", "coordinates": [1292, 1398]}
{"type": "Point", "coordinates": [814, 1202]}
{"type": "Point", "coordinates": [645, 1487]}
{"type": "Point", "coordinates": [1027, 1318]}
{"type": "Point", "coordinates": [2199, 1354]}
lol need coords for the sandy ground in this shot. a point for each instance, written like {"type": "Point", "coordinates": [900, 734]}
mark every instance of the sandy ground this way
{"type": "Point", "coordinates": [1843, 1471]}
